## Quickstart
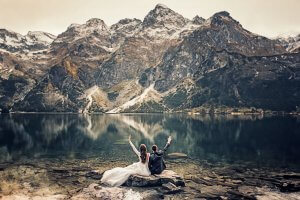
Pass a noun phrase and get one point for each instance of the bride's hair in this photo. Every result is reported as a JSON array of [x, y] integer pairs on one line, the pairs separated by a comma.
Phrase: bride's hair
[[143, 151]]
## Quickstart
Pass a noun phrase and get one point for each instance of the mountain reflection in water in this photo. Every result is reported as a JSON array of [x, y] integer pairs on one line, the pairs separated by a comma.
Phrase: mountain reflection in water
[[262, 141]]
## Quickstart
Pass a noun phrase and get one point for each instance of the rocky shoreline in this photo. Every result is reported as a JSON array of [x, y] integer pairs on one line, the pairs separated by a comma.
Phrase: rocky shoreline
[[210, 109], [230, 112], [74, 179]]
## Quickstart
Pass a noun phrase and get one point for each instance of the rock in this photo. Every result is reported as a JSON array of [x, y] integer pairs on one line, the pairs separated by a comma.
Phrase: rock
[[94, 175], [167, 176], [249, 190], [170, 188], [151, 194], [95, 191], [290, 187], [266, 193], [213, 191], [176, 155], [292, 176], [26, 197], [60, 170]]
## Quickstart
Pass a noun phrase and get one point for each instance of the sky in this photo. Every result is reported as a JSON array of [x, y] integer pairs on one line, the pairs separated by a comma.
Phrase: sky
[[265, 17]]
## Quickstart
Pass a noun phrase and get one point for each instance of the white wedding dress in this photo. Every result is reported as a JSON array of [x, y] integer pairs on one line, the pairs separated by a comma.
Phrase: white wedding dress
[[117, 176]]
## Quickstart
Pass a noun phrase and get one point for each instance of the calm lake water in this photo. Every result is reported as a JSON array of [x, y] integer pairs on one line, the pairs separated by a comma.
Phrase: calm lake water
[[269, 141]]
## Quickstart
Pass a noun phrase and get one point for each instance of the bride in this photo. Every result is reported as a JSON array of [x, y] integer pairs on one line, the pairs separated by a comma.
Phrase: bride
[[119, 175]]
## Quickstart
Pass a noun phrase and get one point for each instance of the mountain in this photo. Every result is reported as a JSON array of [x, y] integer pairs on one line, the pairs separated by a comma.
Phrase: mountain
[[33, 41], [160, 29], [291, 43], [195, 54], [211, 67], [164, 62], [23, 62]]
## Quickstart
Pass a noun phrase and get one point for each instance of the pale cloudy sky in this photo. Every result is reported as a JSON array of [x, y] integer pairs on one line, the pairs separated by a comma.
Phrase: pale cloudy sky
[[266, 17]]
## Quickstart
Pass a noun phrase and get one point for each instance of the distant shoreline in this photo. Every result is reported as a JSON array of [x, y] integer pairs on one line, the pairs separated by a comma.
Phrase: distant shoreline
[[272, 113]]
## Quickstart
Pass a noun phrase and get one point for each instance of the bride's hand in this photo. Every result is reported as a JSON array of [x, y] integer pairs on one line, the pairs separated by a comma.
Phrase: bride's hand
[[169, 139], [129, 138]]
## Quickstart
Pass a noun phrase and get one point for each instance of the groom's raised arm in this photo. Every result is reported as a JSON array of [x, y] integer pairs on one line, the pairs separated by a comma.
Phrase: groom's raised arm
[[168, 143]]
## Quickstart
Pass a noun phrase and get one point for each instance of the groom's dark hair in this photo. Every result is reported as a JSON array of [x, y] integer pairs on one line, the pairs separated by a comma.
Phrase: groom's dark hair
[[154, 148]]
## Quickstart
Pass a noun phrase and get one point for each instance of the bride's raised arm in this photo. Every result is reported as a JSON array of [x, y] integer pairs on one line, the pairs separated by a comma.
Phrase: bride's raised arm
[[133, 147]]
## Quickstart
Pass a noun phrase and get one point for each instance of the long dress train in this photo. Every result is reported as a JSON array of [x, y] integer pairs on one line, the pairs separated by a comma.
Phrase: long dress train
[[117, 176]]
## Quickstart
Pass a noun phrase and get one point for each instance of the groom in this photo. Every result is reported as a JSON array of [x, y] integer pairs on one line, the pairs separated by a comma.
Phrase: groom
[[156, 161]]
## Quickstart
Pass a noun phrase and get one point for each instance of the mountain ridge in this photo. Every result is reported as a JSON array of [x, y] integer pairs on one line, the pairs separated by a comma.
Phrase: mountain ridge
[[163, 63]]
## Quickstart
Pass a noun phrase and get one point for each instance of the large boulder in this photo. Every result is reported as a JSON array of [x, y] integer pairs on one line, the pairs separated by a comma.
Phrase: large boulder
[[95, 191], [170, 188], [167, 176], [177, 156]]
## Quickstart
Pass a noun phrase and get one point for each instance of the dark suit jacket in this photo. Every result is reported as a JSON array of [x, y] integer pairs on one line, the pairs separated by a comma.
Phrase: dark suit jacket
[[156, 161]]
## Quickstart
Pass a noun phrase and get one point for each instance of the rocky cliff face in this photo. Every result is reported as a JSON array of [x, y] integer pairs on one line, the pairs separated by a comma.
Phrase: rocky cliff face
[[23, 61], [291, 43], [144, 48], [163, 63]]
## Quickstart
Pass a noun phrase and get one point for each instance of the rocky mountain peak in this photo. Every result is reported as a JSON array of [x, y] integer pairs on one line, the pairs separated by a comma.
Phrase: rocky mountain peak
[[7, 36], [93, 27], [40, 37], [73, 26], [198, 20], [161, 15], [222, 13], [39, 33], [291, 43], [123, 29], [221, 18], [10, 41], [14, 42], [95, 22], [161, 6], [92, 24], [122, 24], [6, 33]]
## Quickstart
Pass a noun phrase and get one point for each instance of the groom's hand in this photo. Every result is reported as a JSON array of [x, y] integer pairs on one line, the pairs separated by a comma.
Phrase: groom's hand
[[169, 139]]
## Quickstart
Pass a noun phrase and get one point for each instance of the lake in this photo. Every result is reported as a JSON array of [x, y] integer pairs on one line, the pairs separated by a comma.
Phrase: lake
[[260, 141], [100, 140]]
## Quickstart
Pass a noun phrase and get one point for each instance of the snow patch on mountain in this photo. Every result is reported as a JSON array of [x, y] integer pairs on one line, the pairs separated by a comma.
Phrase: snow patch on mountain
[[290, 42], [162, 22], [14, 42], [74, 32], [94, 95], [126, 27], [148, 94], [89, 93], [33, 37]]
